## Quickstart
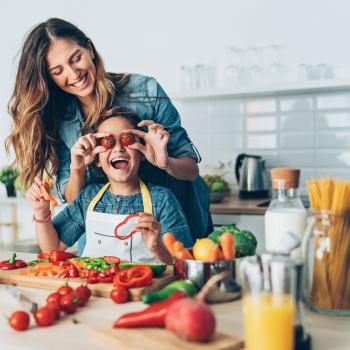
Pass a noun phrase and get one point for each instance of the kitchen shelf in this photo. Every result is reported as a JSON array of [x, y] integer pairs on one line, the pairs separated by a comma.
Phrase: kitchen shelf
[[287, 88]]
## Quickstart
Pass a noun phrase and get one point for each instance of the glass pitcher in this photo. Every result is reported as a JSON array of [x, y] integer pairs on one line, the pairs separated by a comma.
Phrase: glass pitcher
[[326, 250]]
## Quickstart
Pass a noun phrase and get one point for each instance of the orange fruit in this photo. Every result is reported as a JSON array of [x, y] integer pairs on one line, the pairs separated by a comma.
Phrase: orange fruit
[[202, 248]]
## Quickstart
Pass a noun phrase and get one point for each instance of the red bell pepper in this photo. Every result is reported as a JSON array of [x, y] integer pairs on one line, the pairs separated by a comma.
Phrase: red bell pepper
[[112, 259], [57, 255], [134, 277], [152, 316], [43, 256], [12, 263]]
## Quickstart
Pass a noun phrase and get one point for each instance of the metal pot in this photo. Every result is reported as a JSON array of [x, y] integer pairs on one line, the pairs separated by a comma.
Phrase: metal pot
[[199, 272]]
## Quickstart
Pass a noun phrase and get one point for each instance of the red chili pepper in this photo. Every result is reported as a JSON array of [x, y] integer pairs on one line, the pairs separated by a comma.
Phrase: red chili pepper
[[106, 279], [57, 255], [112, 259], [134, 277], [122, 223], [152, 316]]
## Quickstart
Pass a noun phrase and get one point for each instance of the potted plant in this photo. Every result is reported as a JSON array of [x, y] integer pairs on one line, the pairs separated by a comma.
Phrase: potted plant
[[8, 176]]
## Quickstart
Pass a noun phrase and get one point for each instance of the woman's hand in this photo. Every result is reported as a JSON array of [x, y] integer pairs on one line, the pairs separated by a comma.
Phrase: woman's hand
[[41, 207], [156, 140], [150, 229], [84, 152]]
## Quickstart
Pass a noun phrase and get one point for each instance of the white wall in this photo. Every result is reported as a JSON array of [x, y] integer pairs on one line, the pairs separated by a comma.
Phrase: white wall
[[155, 37]]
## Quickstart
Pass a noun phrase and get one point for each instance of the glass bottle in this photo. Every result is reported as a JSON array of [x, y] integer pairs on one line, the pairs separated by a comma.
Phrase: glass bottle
[[286, 213]]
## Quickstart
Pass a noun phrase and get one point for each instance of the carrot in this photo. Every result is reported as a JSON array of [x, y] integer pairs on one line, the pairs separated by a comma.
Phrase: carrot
[[214, 254], [178, 246], [228, 246], [169, 240], [47, 196]]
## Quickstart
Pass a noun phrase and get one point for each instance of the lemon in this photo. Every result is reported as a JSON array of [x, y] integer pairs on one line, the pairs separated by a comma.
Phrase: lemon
[[202, 248]]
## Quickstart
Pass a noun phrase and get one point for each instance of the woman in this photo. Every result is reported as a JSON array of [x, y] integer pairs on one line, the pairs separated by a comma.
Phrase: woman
[[62, 88]]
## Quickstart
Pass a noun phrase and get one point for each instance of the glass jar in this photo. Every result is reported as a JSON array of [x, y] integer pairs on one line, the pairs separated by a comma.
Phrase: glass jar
[[286, 215], [327, 260]]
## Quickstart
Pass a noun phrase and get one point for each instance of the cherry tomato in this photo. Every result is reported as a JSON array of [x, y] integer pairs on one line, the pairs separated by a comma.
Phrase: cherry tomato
[[54, 306], [19, 320], [92, 280], [126, 139], [44, 317], [108, 142], [119, 294], [69, 303], [82, 297], [53, 297], [86, 290], [65, 290]]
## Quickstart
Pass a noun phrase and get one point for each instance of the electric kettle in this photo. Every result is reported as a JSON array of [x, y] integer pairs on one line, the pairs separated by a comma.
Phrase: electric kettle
[[251, 176]]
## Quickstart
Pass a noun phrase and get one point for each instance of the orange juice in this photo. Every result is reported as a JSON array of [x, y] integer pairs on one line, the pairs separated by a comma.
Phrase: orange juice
[[268, 321]]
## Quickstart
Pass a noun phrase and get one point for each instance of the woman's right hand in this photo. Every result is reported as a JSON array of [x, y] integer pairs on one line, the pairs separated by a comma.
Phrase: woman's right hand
[[41, 207], [84, 152]]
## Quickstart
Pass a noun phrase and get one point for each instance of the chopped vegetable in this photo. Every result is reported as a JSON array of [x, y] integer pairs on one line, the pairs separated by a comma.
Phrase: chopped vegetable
[[134, 277], [47, 196]]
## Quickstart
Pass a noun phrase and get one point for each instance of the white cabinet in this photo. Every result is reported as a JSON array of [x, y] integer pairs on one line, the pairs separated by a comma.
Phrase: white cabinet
[[253, 223]]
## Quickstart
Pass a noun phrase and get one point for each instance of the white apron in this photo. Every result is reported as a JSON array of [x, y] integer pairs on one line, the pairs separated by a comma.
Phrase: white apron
[[100, 238]]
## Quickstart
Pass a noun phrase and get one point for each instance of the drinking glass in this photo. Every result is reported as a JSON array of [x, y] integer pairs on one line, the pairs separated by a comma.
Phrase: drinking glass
[[268, 306]]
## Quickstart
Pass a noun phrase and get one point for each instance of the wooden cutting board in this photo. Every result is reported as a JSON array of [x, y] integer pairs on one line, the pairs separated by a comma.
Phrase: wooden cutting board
[[98, 289], [158, 338]]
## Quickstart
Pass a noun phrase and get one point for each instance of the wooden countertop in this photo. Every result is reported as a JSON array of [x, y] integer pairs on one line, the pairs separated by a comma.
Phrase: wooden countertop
[[232, 204], [328, 332]]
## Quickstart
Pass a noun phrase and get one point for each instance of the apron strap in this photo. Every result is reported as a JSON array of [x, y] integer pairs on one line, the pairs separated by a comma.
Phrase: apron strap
[[145, 194]]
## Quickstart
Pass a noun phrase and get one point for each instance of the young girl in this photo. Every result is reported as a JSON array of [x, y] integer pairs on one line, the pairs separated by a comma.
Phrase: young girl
[[99, 208]]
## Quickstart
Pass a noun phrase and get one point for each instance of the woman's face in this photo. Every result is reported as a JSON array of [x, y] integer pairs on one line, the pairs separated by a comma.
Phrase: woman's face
[[71, 67]]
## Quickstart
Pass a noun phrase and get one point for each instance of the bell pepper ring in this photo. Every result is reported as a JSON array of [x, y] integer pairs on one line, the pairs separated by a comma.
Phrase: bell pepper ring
[[134, 277], [122, 223]]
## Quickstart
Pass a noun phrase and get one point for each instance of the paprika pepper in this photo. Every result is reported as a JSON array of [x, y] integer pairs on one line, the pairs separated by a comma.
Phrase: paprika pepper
[[57, 255], [112, 259], [134, 277], [152, 316]]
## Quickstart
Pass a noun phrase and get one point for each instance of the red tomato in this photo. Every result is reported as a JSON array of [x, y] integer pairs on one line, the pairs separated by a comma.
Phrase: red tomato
[[119, 295], [65, 290], [82, 297], [84, 289], [54, 306], [44, 317], [19, 320], [108, 142], [126, 139], [69, 303], [53, 297]]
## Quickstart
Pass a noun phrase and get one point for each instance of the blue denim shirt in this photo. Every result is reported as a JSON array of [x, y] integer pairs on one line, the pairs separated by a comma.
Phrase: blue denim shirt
[[147, 98], [70, 222]]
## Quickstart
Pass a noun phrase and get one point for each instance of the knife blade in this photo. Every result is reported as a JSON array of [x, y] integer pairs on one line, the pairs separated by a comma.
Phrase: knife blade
[[26, 303]]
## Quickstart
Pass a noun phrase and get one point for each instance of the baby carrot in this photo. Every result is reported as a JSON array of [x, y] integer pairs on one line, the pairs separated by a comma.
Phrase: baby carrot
[[228, 245], [169, 240], [47, 196]]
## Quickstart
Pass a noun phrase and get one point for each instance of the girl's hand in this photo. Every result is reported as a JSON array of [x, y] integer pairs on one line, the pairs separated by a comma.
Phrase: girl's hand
[[84, 152], [150, 230], [156, 140], [40, 206]]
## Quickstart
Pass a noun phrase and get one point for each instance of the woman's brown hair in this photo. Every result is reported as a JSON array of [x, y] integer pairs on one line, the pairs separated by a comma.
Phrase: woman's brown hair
[[37, 105]]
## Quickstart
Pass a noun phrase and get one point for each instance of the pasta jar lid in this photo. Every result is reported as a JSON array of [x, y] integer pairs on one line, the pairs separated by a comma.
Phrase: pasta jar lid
[[286, 177]]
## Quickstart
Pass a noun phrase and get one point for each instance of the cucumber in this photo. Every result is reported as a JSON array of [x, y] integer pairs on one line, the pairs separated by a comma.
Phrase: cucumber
[[158, 269]]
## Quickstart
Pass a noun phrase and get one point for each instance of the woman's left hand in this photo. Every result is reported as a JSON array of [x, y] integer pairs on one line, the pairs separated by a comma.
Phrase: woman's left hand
[[150, 229], [156, 140]]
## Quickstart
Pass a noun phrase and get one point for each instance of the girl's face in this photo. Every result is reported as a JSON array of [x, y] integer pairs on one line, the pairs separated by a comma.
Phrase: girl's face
[[120, 163], [71, 67]]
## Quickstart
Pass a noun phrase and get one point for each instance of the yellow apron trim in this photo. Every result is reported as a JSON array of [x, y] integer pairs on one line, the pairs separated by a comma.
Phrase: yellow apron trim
[[145, 194]]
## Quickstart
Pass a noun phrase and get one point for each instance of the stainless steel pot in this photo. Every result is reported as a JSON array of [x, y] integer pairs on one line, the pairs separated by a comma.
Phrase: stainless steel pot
[[199, 272]]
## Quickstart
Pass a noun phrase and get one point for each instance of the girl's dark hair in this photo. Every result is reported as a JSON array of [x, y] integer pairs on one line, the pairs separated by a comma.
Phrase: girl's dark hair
[[119, 112]]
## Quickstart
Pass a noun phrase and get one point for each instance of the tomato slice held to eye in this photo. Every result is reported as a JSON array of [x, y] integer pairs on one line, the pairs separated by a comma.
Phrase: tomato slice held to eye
[[126, 139], [108, 142]]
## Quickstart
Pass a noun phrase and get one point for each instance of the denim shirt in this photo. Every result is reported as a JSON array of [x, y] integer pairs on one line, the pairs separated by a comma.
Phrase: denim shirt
[[147, 98], [70, 222]]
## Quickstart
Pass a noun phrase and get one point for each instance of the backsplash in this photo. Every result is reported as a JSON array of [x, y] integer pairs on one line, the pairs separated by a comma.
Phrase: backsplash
[[308, 131]]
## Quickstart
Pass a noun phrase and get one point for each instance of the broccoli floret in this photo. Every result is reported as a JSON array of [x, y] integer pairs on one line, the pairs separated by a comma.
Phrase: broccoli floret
[[245, 241]]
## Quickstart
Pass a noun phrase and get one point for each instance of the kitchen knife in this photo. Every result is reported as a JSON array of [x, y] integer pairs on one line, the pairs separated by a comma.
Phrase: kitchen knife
[[27, 304]]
